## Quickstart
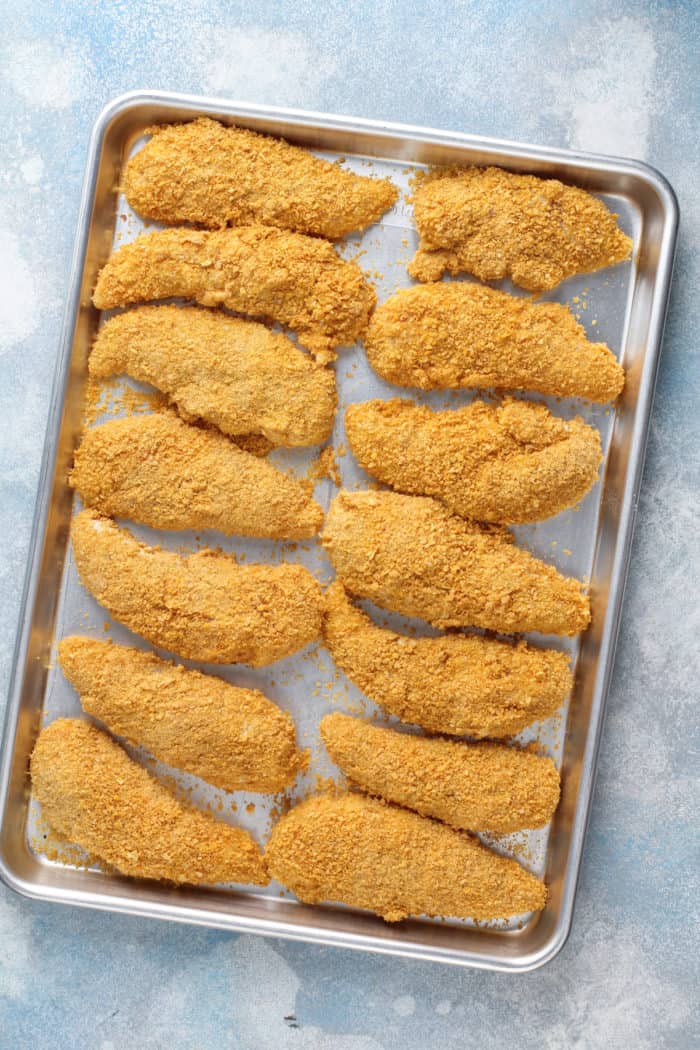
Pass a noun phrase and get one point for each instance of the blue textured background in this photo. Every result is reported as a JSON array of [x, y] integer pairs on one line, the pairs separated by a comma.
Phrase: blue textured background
[[614, 77]]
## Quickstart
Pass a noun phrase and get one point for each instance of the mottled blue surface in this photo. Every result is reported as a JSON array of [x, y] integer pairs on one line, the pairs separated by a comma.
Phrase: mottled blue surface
[[618, 78]]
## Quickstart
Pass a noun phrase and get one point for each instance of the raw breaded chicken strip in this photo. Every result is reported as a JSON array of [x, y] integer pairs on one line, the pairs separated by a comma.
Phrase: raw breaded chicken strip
[[509, 463], [364, 853], [92, 794], [216, 176], [202, 606], [162, 472], [464, 685], [474, 787], [410, 555], [459, 334], [232, 737], [235, 374], [495, 224], [299, 281]]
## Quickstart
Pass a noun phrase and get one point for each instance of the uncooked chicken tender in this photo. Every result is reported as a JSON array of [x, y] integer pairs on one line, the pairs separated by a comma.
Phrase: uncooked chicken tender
[[408, 554], [473, 787], [206, 173], [511, 463], [95, 796], [266, 273], [235, 374], [364, 853], [159, 471], [202, 606], [461, 684], [495, 224], [234, 738], [457, 334]]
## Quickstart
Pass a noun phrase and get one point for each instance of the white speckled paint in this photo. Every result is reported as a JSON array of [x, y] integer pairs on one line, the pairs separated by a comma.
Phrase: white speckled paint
[[49, 73], [404, 1006], [616, 77], [261, 64], [258, 972], [605, 89], [15, 933], [18, 318]]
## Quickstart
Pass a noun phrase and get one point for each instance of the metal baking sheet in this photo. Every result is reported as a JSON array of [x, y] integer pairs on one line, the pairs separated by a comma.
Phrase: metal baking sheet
[[624, 307]]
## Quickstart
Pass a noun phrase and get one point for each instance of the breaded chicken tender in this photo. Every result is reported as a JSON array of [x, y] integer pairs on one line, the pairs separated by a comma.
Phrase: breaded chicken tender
[[235, 374], [509, 463], [201, 606], [408, 554], [495, 224], [463, 685], [93, 795], [232, 737], [364, 853], [162, 472], [271, 274], [473, 787], [458, 334], [206, 173]]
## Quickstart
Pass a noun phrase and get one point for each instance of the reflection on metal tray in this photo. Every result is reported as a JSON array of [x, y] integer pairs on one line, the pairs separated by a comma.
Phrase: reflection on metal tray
[[627, 303]]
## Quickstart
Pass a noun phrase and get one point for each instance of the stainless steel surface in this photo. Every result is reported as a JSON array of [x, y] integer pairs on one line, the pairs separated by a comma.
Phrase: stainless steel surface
[[629, 304]]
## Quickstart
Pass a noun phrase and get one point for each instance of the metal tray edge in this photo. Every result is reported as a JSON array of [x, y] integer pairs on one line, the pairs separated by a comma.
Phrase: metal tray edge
[[46, 469], [139, 97]]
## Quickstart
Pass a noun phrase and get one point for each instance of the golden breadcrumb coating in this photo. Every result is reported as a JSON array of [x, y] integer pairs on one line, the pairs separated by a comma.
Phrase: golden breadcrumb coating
[[202, 606], [495, 224], [364, 853], [474, 787], [256, 444], [464, 685], [509, 463], [299, 281], [162, 472], [458, 334], [232, 737], [95, 796], [235, 374], [410, 555], [216, 176]]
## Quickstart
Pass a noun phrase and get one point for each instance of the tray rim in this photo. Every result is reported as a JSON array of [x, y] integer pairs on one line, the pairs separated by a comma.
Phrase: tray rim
[[204, 916]]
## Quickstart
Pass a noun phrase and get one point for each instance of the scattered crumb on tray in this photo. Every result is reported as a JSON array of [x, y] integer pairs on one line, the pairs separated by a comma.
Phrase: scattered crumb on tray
[[326, 466]]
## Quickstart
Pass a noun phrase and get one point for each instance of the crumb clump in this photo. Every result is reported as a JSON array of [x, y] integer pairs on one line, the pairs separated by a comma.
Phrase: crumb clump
[[326, 466]]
